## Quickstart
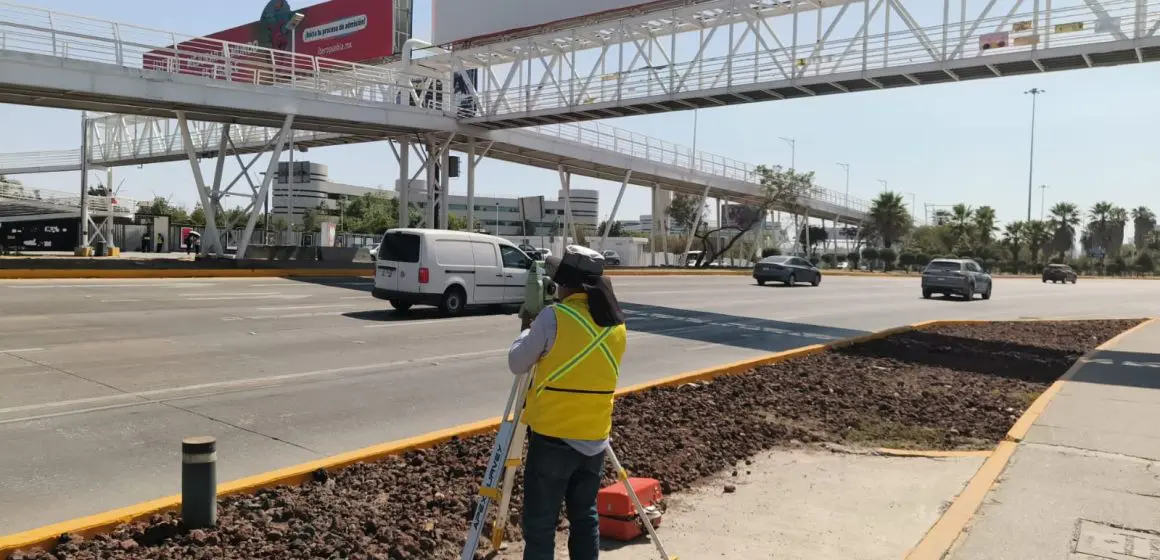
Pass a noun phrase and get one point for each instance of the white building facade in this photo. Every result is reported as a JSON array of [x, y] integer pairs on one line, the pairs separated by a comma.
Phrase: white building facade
[[313, 189]]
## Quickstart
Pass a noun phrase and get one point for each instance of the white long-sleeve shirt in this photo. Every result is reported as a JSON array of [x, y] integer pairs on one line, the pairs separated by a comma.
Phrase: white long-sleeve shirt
[[529, 348]]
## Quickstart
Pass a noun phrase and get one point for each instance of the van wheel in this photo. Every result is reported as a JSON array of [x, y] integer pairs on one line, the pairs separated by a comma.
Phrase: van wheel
[[454, 299], [401, 305]]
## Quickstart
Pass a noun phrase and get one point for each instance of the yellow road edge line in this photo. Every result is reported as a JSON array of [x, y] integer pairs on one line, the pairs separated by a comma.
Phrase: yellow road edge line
[[946, 531], [45, 537], [152, 274], [933, 454]]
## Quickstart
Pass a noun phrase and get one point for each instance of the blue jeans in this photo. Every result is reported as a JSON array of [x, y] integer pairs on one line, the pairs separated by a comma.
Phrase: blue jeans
[[555, 472]]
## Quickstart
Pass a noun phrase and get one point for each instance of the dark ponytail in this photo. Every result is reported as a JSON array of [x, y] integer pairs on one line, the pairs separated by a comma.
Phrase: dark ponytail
[[602, 303]]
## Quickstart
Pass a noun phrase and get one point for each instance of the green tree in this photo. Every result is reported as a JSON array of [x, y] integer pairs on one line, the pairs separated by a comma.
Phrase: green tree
[[922, 259], [1038, 235], [870, 254], [1144, 263], [829, 259], [962, 224], [456, 223], [780, 188], [817, 235], [1064, 222], [889, 219], [853, 258], [684, 211], [985, 225], [889, 257], [617, 229], [1143, 222], [907, 259], [1014, 238]]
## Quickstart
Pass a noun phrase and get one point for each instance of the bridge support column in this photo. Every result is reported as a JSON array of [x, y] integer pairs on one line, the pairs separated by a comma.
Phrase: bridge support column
[[432, 157], [473, 161], [403, 155], [615, 208], [569, 222], [83, 231], [261, 193], [444, 187], [684, 260]]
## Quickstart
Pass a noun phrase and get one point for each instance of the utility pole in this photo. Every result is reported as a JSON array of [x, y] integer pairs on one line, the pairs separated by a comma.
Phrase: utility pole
[[1042, 201], [846, 166], [1034, 93], [885, 185]]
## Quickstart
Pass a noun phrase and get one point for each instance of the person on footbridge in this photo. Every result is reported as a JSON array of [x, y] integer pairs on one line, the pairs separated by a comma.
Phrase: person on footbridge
[[574, 348]]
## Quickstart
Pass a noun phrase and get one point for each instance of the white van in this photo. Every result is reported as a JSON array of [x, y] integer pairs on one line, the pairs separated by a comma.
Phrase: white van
[[450, 270]]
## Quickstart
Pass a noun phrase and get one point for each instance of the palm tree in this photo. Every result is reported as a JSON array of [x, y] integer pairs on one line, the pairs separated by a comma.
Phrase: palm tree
[[984, 225], [961, 221], [1065, 221], [1118, 220], [1038, 234], [889, 218], [1098, 217], [1144, 222], [1014, 236], [1154, 240]]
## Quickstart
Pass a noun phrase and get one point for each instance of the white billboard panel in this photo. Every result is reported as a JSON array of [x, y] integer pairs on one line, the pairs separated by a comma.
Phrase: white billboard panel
[[456, 20]]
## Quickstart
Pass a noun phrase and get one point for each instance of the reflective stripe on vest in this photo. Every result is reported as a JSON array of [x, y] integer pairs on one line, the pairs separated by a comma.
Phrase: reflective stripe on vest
[[597, 343]]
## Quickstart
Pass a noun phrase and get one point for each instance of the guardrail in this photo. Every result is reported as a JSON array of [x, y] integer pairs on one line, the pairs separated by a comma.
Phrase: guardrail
[[1093, 23], [34, 30], [627, 142], [46, 197]]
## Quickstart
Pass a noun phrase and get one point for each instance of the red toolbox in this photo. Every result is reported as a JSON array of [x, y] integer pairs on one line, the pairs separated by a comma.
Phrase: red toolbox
[[618, 519]]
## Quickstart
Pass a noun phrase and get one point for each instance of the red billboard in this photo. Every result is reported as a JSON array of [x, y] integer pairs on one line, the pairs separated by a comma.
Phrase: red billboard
[[346, 30]]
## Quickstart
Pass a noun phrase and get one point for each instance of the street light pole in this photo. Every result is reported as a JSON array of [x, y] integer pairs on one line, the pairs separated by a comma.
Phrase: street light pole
[[497, 219], [885, 185], [1034, 92], [1042, 201], [792, 152], [846, 166]]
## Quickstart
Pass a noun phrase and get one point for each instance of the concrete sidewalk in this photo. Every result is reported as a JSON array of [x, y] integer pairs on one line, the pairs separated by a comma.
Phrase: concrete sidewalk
[[1085, 481]]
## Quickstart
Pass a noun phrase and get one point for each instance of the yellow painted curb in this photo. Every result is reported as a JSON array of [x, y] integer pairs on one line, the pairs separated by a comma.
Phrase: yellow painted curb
[[946, 531], [45, 537], [132, 273]]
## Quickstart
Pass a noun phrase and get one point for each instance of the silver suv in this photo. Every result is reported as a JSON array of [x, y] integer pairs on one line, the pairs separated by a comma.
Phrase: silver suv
[[955, 276]]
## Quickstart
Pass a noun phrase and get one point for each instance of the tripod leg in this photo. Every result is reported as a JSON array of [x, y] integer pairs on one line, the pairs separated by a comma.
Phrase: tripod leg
[[514, 461], [488, 490], [622, 475]]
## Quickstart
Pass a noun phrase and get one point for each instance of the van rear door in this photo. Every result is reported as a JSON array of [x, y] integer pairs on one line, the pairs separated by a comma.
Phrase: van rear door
[[399, 261]]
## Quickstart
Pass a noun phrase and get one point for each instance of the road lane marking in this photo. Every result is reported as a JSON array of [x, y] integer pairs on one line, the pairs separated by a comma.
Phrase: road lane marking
[[78, 286], [20, 350], [426, 322], [119, 300], [293, 307], [239, 298]]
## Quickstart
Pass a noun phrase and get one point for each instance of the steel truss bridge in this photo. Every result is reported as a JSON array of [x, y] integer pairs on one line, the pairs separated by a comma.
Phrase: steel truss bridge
[[175, 97]]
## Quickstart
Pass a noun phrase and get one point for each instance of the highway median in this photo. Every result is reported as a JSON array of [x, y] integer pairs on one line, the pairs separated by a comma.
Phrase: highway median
[[939, 386]]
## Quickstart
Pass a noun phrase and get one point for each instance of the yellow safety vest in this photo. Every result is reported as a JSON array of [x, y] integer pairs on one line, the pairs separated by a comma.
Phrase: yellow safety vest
[[573, 385]]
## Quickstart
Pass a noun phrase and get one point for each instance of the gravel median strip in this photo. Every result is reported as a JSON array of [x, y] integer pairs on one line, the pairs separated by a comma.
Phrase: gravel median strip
[[945, 388]]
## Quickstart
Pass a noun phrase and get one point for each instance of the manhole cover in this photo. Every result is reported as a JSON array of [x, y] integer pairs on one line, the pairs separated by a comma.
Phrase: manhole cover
[[1105, 541]]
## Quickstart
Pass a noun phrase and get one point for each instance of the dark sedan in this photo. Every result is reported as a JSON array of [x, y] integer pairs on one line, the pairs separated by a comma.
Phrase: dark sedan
[[1059, 273], [787, 270]]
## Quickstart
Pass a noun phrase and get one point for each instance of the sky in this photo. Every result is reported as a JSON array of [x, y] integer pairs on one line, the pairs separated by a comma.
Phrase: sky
[[939, 144]]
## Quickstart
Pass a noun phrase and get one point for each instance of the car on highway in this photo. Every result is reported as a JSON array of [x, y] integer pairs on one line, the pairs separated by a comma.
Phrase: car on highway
[[955, 276], [451, 270], [611, 258], [1059, 273], [787, 270]]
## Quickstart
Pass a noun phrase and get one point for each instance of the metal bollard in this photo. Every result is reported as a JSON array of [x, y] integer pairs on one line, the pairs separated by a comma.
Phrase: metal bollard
[[199, 482]]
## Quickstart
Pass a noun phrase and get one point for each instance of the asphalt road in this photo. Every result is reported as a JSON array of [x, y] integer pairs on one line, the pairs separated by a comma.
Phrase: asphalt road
[[102, 379]]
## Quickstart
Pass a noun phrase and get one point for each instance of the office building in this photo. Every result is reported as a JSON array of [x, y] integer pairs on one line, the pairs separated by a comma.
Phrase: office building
[[313, 189]]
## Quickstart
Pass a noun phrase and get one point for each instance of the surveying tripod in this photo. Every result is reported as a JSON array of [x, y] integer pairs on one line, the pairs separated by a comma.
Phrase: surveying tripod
[[506, 457]]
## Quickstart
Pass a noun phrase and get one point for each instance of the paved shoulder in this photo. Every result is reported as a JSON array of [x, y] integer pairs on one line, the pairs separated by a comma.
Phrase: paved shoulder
[[1084, 483]]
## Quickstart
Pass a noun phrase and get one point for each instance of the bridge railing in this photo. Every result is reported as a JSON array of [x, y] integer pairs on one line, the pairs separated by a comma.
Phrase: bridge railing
[[635, 144], [1026, 31], [34, 30], [46, 197]]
